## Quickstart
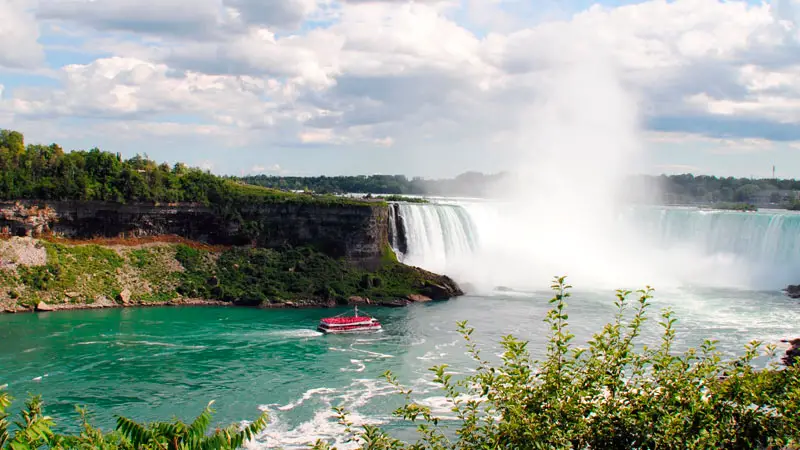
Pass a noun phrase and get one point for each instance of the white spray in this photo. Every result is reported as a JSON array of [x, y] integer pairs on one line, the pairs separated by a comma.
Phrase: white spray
[[562, 213]]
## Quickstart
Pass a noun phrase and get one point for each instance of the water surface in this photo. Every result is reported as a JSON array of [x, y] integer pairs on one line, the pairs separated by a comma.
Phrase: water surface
[[153, 363]]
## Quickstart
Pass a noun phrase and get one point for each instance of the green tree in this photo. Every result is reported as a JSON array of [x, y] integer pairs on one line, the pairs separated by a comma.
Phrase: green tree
[[746, 193]]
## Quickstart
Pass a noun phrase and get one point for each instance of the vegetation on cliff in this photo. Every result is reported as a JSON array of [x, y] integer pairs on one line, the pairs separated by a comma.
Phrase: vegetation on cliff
[[47, 172], [612, 393], [66, 275], [401, 198], [735, 206]]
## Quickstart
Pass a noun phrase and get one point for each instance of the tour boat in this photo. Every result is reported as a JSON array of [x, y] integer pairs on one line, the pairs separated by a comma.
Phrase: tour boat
[[349, 324]]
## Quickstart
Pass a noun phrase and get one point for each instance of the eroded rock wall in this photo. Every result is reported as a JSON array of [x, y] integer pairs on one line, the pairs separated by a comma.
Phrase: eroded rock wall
[[359, 233]]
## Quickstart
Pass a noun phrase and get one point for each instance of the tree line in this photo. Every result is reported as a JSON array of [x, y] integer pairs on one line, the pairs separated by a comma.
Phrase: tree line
[[47, 172], [668, 189], [688, 188], [473, 184]]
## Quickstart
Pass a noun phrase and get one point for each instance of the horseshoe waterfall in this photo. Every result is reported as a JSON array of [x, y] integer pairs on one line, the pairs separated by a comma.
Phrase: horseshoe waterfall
[[677, 246]]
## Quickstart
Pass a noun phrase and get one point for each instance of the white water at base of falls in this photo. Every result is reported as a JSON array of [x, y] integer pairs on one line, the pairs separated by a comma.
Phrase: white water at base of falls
[[665, 247]]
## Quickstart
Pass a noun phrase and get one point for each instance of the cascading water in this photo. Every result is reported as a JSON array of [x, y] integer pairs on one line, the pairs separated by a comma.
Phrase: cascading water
[[434, 236], [752, 250], [766, 237], [678, 246], [393, 230]]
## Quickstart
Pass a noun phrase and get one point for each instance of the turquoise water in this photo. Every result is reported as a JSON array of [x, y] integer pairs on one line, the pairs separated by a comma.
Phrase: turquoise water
[[153, 363]]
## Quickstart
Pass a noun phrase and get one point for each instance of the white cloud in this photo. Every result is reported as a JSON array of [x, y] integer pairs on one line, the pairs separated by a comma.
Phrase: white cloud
[[280, 13], [275, 168], [716, 145], [178, 18], [402, 74], [129, 87], [19, 33]]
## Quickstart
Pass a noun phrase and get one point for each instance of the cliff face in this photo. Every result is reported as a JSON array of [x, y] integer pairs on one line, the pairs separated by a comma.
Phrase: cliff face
[[359, 233]]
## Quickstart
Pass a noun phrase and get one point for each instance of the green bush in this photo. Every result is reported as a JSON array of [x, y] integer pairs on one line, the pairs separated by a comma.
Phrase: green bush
[[252, 276], [735, 206], [34, 430], [402, 198], [190, 258], [613, 393], [39, 278]]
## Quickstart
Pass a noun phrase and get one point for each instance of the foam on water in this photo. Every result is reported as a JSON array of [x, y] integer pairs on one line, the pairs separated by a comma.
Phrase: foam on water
[[298, 333], [324, 423], [360, 366]]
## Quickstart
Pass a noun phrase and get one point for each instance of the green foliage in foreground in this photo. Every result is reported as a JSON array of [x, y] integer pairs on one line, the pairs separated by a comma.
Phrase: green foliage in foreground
[[34, 430], [612, 393]]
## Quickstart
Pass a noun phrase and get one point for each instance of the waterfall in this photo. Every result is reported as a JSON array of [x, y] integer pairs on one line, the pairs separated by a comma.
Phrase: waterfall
[[764, 237], [655, 245], [432, 236], [393, 238]]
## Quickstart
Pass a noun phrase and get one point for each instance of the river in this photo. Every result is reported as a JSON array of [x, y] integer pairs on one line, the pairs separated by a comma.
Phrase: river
[[153, 363]]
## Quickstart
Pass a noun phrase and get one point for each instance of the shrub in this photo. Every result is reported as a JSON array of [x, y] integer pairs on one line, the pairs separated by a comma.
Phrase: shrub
[[34, 431], [612, 393], [190, 258], [736, 206], [39, 278], [402, 198]]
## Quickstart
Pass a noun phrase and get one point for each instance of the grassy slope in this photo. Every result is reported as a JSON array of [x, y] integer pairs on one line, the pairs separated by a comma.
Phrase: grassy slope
[[83, 274]]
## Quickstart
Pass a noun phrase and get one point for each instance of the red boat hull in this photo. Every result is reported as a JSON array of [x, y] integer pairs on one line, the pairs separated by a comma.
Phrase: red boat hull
[[349, 324], [350, 329]]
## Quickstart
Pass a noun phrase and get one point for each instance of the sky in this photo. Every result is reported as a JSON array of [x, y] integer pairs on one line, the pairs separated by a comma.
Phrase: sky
[[427, 88]]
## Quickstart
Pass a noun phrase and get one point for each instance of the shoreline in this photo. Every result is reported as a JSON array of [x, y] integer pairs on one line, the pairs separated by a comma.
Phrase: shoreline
[[85, 306], [198, 302]]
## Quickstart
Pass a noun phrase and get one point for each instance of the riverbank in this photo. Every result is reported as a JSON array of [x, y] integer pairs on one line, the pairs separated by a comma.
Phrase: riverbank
[[53, 275], [200, 302], [43, 307]]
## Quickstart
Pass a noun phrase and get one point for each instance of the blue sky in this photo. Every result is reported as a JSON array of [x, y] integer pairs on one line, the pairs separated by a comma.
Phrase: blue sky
[[431, 88]]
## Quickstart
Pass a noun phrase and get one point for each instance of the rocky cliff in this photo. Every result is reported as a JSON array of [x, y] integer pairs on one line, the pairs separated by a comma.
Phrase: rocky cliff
[[357, 232]]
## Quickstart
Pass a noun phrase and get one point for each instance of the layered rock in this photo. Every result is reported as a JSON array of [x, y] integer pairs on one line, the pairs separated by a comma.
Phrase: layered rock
[[357, 232]]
